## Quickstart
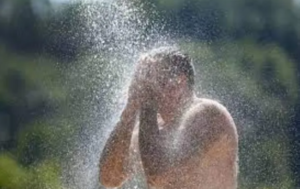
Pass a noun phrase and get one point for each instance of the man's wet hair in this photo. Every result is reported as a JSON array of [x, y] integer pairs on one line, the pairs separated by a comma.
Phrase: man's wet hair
[[174, 62]]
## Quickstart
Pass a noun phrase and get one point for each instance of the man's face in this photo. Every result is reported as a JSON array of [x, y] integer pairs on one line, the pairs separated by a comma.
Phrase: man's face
[[168, 86]]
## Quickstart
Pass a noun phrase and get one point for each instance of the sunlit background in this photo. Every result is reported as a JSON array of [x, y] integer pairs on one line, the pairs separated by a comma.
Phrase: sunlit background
[[65, 66]]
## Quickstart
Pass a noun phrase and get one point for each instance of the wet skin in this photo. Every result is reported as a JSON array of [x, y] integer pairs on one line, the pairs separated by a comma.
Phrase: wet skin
[[199, 151], [181, 141]]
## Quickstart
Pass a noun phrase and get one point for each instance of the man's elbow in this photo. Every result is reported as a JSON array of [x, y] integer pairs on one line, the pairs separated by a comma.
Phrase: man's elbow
[[111, 180]]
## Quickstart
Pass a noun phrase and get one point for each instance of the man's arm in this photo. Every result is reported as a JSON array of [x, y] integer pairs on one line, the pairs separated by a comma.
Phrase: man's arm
[[151, 145], [115, 165], [214, 139], [114, 161], [210, 122]]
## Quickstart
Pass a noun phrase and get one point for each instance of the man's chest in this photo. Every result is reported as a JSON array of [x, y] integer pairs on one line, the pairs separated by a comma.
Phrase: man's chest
[[176, 145], [187, 170]]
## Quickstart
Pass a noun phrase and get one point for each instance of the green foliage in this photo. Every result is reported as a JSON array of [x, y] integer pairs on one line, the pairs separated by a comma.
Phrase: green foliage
[[250, 70], [43, 140], [28, 83], [11, 176], [31, 87], [266, 165], [44, 175], [35, 72], [273, 68]]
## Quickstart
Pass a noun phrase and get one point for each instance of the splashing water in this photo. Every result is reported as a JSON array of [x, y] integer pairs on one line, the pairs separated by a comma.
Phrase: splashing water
[[119, 32]]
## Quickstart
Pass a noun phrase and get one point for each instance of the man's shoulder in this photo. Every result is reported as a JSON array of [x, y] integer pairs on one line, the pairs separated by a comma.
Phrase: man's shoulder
[[204, 111], [208, 107]]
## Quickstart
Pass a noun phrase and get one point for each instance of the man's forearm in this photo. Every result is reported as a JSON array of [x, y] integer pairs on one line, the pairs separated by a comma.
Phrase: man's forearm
[[115, 155], [150, 144]]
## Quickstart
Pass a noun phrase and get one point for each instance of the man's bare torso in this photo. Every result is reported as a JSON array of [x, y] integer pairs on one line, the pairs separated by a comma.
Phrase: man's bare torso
[[210, 163]]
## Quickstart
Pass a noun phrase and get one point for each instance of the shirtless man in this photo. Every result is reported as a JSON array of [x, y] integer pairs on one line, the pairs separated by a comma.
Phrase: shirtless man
[[184, 142]]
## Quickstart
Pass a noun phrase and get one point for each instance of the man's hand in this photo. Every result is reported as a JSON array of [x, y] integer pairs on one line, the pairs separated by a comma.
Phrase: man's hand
[[142, 85]]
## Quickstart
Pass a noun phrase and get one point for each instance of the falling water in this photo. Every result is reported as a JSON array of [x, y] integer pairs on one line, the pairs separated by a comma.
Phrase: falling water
[[116, 33], [119, 32]]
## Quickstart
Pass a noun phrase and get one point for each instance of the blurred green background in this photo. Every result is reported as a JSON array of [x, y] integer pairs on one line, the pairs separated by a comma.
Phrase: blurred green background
[[249, 49]]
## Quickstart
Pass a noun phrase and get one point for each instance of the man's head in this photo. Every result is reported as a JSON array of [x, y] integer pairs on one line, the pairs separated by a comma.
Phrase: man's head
[[170, 71], [172, 63]]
